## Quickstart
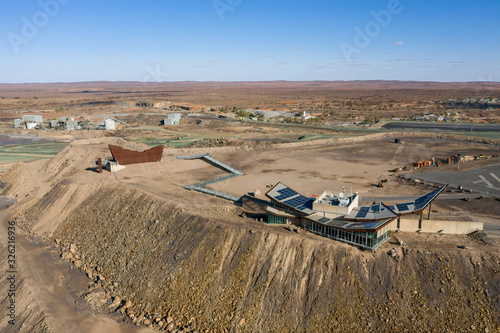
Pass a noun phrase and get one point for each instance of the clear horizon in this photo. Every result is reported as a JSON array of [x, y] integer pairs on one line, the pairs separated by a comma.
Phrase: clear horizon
[[57, 41], [245, 81]]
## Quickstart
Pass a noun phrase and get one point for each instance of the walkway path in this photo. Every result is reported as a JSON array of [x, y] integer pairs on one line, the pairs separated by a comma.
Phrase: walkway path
[[201, 187]]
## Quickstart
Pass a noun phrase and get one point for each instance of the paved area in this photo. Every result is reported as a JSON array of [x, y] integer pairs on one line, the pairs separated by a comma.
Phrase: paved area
[[483, 180], [407, 198], [492, 228], [443, 126]]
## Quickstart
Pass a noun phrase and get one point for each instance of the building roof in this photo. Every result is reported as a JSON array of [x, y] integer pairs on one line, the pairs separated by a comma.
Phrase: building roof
[[371, 213], [361, 219], [279, 212], [340, 223], [381, 211], [289, 198]]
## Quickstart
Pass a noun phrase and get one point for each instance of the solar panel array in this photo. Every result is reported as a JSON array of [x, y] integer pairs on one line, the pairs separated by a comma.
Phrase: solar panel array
[[291, 198], [423, 201], [285, 193], [370, 225], [402, 207], [378, 211], [362, 212], [299, 202]]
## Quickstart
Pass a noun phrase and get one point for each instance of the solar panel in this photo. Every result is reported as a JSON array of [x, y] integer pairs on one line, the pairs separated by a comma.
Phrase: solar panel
[[323, 220], [371, 224], [375, 208], [285, 193], [298, 201], [391, 207], [420, 206], [306, 205], [402, 207], [363, 211], [423, 201]]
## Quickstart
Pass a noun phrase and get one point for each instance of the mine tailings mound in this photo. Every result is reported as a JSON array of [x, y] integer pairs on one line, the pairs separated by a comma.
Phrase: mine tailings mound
[[207, 270]]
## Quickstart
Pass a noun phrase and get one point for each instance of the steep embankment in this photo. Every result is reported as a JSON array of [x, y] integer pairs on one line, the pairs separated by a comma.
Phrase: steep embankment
[[242, 276]]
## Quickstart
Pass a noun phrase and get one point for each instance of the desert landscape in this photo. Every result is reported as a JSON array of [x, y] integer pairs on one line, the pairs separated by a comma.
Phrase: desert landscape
[[233, 166], [134, 250]]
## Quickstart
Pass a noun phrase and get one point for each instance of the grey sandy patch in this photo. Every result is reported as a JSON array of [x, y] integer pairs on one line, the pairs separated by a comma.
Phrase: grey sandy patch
[[16, 139], [278, 171], [6, 202]]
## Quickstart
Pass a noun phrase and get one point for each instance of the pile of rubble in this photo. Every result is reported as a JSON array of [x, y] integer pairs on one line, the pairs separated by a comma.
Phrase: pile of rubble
[[101, 295], [450, 160], [207, 143]]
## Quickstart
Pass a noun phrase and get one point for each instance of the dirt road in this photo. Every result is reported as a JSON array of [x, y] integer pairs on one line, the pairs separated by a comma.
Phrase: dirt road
[[49, 285]]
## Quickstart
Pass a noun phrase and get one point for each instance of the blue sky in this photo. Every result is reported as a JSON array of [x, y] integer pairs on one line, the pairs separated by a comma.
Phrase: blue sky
[[249, 40]]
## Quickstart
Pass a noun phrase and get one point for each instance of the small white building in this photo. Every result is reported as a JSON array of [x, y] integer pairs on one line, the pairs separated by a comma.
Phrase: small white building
[[71, 125], [110, 124], [173, 119]]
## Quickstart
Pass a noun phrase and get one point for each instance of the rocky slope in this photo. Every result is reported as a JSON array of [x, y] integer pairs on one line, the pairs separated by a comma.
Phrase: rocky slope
[[218, 274]]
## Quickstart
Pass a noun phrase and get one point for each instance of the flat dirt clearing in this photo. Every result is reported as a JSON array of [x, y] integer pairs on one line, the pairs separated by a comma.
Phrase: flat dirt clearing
[[306, 169], [359, 165], [169, 178]]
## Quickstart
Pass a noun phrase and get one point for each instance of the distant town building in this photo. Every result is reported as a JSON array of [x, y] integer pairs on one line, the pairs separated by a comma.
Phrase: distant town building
[[32, 118], [17, 123], [172, 119], [71, 125], [306, 116], [110, 124]]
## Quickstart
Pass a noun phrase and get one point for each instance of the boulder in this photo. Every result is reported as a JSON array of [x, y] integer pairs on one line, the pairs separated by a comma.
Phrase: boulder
[[72, 248]]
